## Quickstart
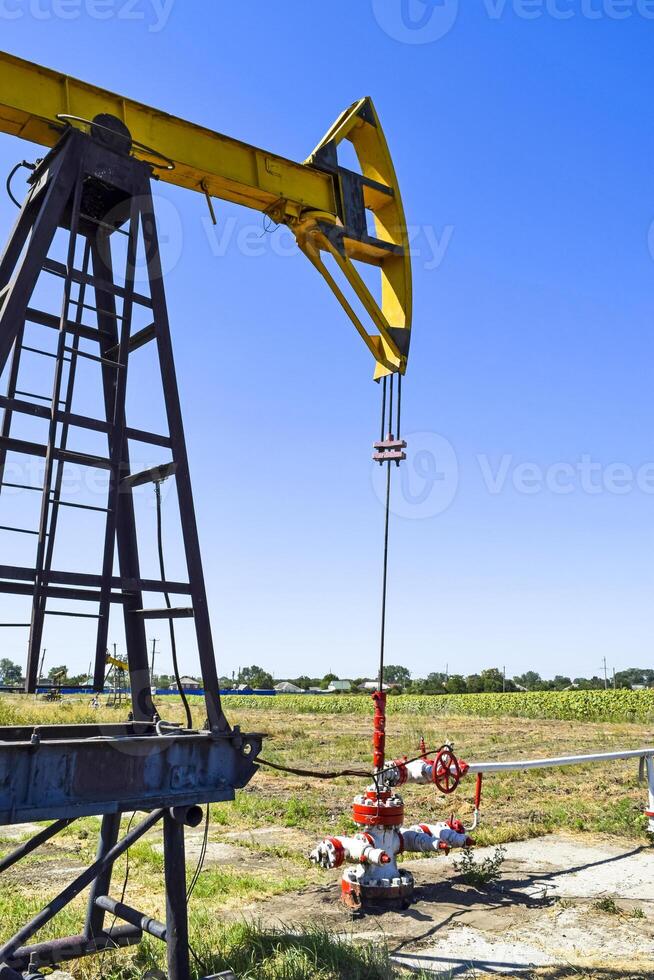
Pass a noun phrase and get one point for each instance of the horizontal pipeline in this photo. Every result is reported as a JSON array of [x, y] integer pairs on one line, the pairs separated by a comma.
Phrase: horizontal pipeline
[[564, 760]]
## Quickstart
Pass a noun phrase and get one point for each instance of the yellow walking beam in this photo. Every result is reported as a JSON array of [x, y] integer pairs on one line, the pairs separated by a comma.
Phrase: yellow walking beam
[[323, 203]]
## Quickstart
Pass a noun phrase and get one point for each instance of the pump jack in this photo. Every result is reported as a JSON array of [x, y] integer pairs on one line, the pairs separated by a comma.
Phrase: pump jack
[[93, 186]]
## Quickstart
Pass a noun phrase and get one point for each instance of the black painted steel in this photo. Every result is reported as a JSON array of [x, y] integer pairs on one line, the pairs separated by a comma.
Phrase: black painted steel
[[122, 911], [81, 180], [176, 903], [91, 192], [109, 831], [56, 951], [8, 949]]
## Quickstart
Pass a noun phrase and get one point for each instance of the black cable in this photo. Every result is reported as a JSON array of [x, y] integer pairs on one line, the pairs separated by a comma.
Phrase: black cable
[[28, 166], [399, 404], [201, 859], [173, 644], [383, 411], [312, 773], [197, 959], [360, 773]]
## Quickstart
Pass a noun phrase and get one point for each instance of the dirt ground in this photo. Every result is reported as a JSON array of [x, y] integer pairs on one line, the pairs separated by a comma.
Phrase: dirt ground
[[575, 895], [544, 912]]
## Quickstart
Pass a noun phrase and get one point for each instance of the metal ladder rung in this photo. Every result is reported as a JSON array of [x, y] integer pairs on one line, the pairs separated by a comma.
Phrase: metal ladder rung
[[45, 353], [94, 357], [75, 615], [96, 309], [179, 612], [18, 530], [154, 475], [21, 486], [69, 503], [84, 459], [15, 625], [44, 398]]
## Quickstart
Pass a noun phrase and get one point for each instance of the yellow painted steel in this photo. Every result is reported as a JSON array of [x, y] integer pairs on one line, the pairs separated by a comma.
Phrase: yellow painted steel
[[118, 664], [308, 197]]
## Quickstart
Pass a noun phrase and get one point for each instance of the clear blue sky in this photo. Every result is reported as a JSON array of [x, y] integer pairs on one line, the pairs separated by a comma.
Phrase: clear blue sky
[[523, 142]]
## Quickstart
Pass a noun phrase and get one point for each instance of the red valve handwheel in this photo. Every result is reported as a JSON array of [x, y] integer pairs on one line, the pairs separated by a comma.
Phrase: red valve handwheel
[[446, 771]]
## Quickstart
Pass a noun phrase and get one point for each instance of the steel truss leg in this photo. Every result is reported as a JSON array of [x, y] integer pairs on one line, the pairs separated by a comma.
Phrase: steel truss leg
[[108, 838], [210, 679], [176, 904]]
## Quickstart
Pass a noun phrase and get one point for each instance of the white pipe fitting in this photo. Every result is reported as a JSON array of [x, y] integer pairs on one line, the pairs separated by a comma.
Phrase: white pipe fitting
[[649, 813], [419, 771], [432, 837], [332, 852]]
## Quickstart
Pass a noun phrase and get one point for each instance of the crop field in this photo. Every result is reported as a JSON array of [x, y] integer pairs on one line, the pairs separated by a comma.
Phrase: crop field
[[255, 907]]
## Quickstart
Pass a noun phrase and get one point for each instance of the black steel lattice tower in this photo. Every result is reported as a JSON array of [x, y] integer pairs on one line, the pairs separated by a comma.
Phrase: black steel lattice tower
[[92, 188]]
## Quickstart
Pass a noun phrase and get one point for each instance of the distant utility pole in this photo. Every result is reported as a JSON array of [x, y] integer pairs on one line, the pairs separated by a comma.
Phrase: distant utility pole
[[154, 653], [614, 684], [41, 667], [503, 680], [606, 680], [447, 672]]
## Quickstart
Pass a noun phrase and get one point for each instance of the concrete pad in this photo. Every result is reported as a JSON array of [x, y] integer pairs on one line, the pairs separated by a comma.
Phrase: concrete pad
[[569, 868], [468, 949], [491, 939]]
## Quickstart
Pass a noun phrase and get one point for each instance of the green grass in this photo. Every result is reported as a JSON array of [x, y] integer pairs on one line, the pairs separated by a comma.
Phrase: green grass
[[227, 883], [257, 953], [610, 706]]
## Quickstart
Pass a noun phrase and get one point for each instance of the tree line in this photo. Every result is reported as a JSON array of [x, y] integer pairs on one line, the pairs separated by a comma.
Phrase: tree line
[[492, 680], [399, 678]]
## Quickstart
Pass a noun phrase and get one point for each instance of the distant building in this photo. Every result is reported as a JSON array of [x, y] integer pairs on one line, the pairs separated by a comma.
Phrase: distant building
[[373, 686], [285, 687], [244, 689], [188, 684], [340, 686]]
